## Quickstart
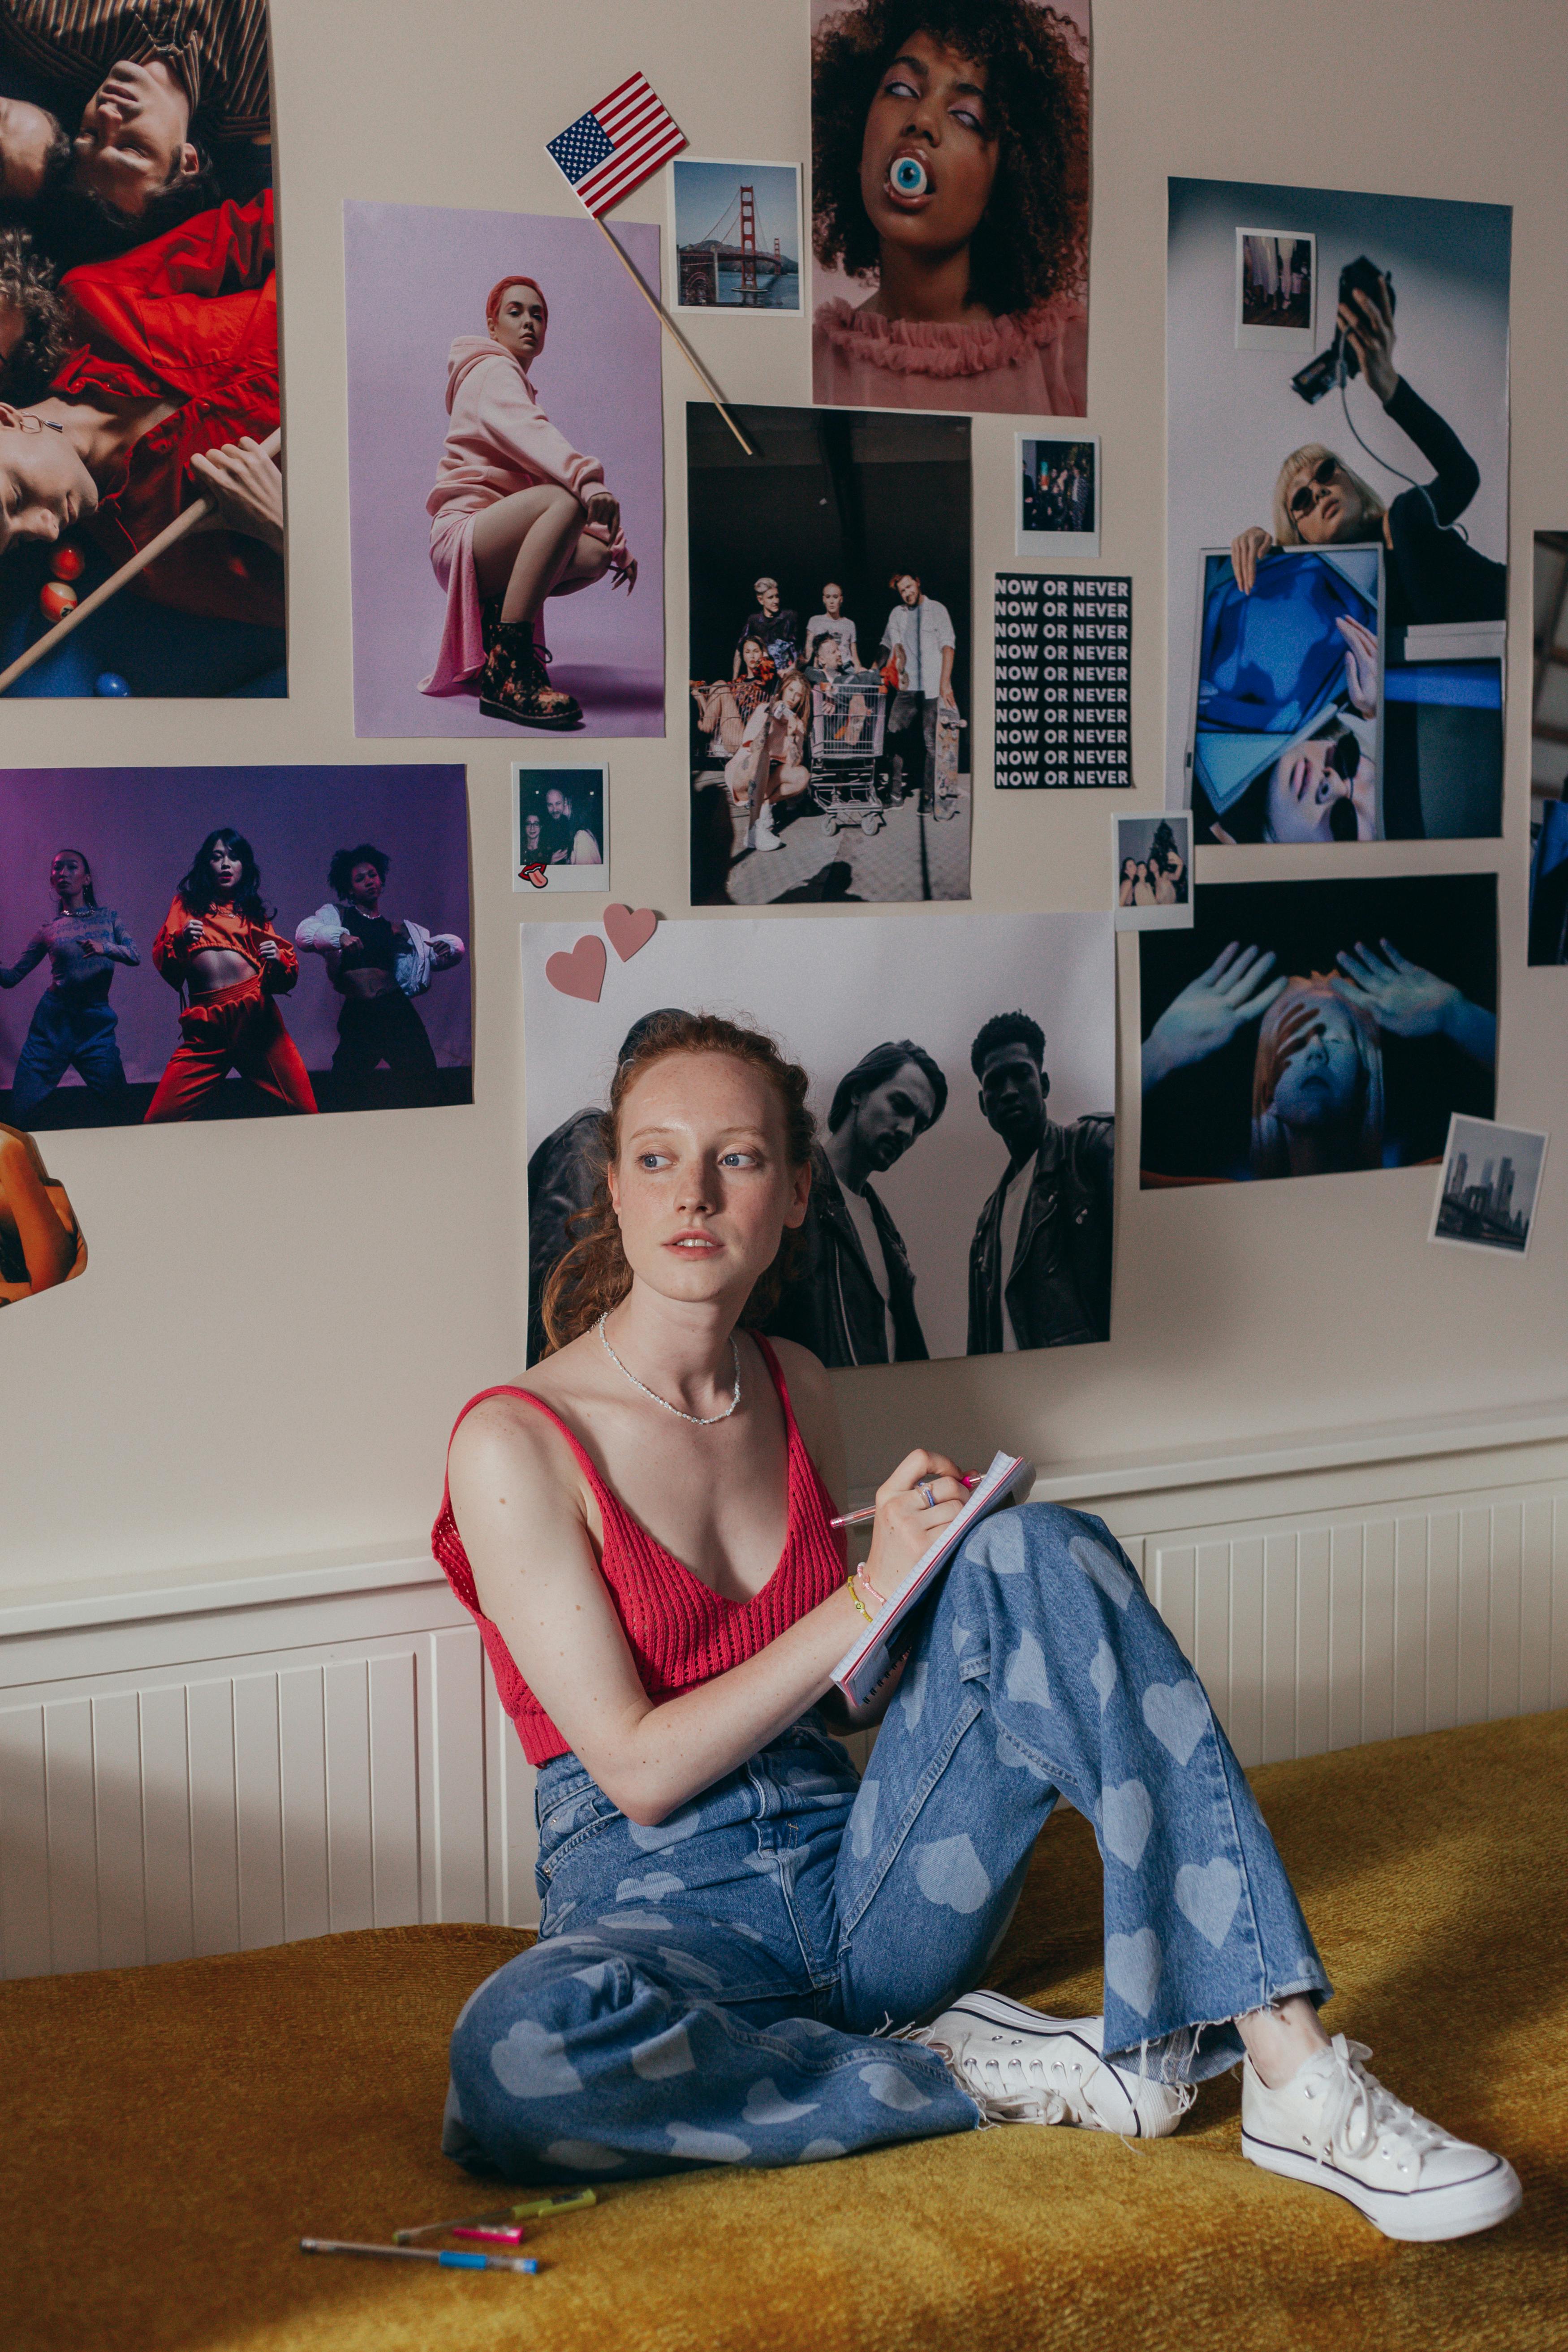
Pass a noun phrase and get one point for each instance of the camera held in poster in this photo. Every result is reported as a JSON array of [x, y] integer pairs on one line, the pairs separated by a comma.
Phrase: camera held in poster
[[1403, 465]]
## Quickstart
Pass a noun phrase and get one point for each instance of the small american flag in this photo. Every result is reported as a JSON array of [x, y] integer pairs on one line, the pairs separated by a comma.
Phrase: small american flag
[[615, 148]]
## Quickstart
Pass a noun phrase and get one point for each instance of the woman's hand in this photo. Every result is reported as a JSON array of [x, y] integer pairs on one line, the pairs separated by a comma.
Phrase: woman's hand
[[1247, 550], [1210, 1010], [1361, 667], [906, 1522], [268, 950], [1364, 799], [625, 575], [1368, 328], [602, 509], [1407, 1001], [247, 489], [193, 933]]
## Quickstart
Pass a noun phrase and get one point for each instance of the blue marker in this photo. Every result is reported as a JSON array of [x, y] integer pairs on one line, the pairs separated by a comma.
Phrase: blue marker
[[447, 2259]]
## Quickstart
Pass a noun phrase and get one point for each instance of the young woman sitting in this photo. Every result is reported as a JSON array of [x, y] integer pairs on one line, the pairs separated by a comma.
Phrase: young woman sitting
[[732, 1919]]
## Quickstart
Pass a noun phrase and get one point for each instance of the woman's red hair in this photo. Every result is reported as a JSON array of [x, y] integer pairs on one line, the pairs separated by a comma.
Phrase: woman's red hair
[[493, 298]]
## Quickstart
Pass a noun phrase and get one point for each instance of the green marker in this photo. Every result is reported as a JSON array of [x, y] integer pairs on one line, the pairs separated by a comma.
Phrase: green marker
[[531, 2211]]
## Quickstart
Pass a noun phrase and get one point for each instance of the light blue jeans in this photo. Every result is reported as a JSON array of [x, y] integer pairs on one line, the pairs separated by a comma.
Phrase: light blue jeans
[[718, 1989]]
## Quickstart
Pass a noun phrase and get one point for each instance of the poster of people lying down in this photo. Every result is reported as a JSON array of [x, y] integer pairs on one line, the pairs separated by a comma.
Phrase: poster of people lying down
[[1317, 1028], [187, 943], [139, 382], [1338, 519], [962, 1074]]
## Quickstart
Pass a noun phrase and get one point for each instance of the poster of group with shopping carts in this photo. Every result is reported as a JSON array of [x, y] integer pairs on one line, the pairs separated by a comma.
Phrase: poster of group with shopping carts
[[830, 651]]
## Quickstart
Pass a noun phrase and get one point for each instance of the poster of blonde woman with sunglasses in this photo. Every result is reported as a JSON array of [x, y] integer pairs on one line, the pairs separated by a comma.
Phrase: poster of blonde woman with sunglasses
[[1338, 519]]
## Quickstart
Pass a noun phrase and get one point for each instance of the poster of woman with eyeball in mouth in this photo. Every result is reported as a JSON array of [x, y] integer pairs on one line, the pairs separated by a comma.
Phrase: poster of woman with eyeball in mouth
[[950, 219]]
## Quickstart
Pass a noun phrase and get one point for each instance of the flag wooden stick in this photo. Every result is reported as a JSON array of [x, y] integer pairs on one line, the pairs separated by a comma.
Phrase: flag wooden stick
[[714, 394], [185, 522]]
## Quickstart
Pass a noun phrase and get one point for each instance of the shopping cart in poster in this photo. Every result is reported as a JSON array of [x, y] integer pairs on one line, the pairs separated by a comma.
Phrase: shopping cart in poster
[[848, 719]]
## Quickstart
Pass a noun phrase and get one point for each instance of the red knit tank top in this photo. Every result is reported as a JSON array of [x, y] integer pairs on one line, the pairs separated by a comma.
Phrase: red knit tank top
[[679, 1631]]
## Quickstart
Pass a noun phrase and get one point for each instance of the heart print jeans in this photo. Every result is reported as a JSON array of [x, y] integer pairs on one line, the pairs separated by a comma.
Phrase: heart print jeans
[[718, 1989]]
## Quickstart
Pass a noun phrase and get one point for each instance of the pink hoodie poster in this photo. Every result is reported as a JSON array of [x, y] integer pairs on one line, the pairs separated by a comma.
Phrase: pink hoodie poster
[[440, 422]]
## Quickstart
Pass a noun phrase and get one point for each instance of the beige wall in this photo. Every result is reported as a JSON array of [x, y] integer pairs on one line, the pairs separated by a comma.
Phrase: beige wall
[[279, 1319]]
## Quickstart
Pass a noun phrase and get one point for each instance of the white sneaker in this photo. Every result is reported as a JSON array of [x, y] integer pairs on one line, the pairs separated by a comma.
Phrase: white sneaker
[[1020, 2067], [762, 831], [1335, 2127]]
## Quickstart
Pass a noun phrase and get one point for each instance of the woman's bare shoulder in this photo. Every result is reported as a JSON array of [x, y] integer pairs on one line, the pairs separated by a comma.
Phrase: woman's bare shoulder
[[813, 1402], [506, 1429], [805, 1374]]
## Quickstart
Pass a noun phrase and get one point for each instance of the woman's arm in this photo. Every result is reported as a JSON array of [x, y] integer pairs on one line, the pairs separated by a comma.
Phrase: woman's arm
[[121, 948], [517, 1499], [498, 400], [1367, 325], [171, 949], [280, 968], [48, 1247], [1458, 477], [32, 955]]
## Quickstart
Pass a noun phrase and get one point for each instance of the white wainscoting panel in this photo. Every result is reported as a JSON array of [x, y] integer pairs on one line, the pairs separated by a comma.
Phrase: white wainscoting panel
[[315, 1749], [1314, 1637], [249, 1804]]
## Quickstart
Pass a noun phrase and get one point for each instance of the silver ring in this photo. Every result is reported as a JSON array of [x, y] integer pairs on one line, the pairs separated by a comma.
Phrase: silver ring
[[926, 1495]]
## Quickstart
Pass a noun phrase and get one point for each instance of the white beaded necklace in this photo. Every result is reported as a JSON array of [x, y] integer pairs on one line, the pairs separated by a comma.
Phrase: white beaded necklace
[[698, 1419]]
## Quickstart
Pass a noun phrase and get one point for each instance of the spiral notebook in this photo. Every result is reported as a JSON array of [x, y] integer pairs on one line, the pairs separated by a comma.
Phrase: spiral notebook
[[868, 1662]]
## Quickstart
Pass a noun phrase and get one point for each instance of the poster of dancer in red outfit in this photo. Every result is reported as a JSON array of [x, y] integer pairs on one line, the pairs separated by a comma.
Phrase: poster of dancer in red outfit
[[139, 345]]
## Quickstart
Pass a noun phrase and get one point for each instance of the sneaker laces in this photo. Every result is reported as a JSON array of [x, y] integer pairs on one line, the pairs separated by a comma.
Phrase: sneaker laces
[[1360, 2112], [1010, 2090]]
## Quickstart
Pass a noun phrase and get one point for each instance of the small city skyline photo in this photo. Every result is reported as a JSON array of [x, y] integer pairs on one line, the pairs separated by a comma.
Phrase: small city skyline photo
[[1489, 1185], [736, 235]]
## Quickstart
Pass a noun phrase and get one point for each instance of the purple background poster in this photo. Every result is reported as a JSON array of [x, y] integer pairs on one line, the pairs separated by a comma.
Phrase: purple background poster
[[139, 828], [417, 278]]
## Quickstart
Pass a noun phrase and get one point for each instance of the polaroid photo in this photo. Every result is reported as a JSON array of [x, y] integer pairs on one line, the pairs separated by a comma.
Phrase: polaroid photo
[[1152, 876], [1057, 515], [1276, 289], [560, 827], [1489, 1186], [735, 235]]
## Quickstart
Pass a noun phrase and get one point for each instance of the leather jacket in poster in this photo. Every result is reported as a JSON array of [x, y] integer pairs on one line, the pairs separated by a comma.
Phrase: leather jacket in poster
[[831, 1304], [1059, 1292]]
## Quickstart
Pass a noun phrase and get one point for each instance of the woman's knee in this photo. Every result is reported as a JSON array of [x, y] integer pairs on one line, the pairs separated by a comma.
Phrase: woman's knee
[[1047, 1559]]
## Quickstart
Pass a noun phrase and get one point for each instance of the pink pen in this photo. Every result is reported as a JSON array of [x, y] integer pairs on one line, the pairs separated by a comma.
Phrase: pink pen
[[498, 2234], [857, 1518]]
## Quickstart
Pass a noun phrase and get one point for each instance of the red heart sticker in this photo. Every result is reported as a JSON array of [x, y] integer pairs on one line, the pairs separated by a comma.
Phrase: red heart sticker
[[580, 971], [628, 929]]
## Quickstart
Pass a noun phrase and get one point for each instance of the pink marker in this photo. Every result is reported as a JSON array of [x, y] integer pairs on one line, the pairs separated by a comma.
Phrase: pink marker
[[855, 1518], [510, 2234]]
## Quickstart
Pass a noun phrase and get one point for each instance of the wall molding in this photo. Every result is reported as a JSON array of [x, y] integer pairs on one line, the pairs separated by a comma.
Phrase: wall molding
[[245, 1754]]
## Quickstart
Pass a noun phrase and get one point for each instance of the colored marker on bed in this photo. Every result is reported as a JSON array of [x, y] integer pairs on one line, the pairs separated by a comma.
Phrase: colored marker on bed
[[499, 2233], [449, 2258], [525, 2212]]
